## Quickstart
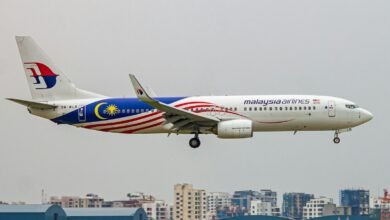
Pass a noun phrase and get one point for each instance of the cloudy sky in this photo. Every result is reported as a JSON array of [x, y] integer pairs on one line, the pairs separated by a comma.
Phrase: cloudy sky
[[200, 47]]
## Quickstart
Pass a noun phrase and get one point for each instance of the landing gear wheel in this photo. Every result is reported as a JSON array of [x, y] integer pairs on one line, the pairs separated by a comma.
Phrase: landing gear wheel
[[336, 140], [194, 142]]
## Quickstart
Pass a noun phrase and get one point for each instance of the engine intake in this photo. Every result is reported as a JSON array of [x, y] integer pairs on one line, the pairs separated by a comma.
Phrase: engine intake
[[239, 128]]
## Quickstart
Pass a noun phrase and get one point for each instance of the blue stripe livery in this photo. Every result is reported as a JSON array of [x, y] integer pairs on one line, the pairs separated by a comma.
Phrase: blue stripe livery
[[108, 109]]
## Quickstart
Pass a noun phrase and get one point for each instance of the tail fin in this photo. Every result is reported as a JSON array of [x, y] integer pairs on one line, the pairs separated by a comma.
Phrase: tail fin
[[46, 81]]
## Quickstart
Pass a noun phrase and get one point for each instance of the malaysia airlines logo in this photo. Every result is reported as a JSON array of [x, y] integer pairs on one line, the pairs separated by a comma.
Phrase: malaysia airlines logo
[[140, 92], [44, 77]]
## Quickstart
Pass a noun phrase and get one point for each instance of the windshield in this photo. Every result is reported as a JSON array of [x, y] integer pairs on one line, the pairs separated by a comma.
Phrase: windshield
[[350, 106]]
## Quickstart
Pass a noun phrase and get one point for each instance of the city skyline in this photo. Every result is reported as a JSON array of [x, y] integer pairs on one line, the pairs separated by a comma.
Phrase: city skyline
[[45, 196], [192, 203]]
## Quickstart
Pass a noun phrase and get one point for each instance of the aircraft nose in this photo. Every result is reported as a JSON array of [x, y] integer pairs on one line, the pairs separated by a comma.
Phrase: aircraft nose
[[365, 115]]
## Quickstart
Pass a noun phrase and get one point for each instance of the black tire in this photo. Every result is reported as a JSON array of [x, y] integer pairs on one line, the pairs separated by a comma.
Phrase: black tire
[[194, 142], [336, 140]]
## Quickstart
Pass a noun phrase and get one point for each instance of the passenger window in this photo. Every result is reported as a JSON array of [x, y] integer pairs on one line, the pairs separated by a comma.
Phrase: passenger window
[[286, 108], [291, 108], [265, 108], [137, 110], [281, 108], [250, 108], [244, 108], [270, 108], [309, 108], [314, 108], [300, 108], [304, 108], [255, 109], [295, 108], [260, 108], [235, 108], [132, 110]]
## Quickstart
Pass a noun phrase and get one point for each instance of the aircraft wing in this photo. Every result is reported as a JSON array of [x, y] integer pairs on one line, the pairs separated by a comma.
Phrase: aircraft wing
[[181, 118]]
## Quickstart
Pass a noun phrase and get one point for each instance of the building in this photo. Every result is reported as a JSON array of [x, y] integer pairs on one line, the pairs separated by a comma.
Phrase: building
[[32, 212], [90, 201], [170, 212], [293, 204], [242, 199], [344, 217], [157, 210], [267, 195], [315, 207], [259, 207], [375, 202], [217, 200], [256, 217], [276, 211], [229, 212], [135, 200], [357, 199], [331, 209], [189, 203], [55, 212], [105, 214]]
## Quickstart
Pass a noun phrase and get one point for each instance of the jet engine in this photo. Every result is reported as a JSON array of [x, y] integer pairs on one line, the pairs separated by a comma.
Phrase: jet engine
[[238, 128]]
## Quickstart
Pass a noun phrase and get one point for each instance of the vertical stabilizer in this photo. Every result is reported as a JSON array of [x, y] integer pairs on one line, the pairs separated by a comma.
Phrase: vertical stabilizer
[[45, 80]]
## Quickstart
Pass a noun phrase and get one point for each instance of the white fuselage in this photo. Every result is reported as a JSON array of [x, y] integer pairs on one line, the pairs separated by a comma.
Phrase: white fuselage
[[267, 113]]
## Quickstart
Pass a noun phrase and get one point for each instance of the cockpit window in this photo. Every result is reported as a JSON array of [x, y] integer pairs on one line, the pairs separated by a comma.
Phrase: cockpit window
[[351, 106]]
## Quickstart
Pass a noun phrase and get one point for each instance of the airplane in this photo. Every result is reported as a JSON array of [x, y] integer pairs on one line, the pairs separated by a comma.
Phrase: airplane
[[56, 98]]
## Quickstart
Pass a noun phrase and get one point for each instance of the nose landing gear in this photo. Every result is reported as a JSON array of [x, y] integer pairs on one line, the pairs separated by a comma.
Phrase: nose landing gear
[[195, 142], [336, 138]]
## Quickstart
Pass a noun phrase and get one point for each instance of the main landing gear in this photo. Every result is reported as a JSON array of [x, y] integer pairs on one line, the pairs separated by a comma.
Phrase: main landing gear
[[195, 142]]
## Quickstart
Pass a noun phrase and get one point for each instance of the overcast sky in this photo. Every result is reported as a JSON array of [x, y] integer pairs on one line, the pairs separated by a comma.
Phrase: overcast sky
[[200, 47]]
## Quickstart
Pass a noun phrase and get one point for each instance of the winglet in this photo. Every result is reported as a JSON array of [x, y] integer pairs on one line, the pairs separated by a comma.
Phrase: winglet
[[142, 94]]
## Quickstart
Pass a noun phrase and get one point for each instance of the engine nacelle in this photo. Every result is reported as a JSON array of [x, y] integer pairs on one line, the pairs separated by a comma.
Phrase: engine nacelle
[[239, 128]]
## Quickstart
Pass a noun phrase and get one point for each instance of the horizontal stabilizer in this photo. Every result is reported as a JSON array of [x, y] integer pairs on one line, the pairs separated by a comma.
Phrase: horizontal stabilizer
[[32, 104]]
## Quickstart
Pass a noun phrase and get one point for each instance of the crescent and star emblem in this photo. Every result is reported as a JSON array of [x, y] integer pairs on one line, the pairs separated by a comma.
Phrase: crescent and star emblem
[[97, 111]]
